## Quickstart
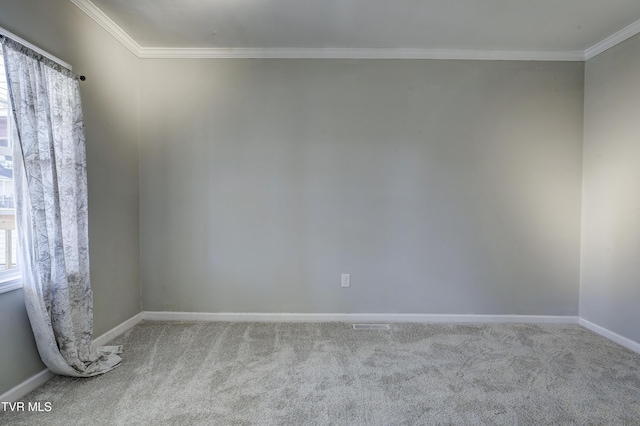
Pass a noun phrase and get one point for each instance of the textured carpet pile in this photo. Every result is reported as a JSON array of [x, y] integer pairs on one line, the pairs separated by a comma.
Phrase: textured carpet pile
[[203, 373]]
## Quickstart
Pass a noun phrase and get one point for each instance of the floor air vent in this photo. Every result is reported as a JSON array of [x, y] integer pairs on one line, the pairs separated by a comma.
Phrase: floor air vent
[[370, 326]]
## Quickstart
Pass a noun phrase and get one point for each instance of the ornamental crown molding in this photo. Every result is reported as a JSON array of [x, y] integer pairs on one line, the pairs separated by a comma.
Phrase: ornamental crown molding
[[121, 35], [95, 13], [352, 53], [617, 38]]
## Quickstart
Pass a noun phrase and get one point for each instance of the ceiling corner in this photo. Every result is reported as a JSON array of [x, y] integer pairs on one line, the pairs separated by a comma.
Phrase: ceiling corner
[[95, 13], [625, 33], [107, 23]]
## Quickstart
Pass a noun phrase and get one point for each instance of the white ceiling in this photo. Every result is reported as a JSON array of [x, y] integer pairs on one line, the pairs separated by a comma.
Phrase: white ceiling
[[469, 25]]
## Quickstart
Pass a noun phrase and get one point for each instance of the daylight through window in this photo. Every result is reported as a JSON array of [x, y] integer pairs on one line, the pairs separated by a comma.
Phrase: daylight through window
[[8, 240]]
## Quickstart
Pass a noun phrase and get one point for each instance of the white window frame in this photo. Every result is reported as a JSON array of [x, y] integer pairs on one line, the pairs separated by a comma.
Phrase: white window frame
[[10, 279]]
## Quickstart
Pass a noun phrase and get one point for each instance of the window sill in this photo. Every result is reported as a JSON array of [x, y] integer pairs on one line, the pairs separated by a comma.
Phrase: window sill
[[10, 282]]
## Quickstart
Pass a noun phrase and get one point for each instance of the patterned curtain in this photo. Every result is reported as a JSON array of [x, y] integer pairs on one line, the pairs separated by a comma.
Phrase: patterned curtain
[[51, 212]]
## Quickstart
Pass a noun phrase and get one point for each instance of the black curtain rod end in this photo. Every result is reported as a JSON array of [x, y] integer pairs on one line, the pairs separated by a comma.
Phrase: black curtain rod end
[[83, 78]]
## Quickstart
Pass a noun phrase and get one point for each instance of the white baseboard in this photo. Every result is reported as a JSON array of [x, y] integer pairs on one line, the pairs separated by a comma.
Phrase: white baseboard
[[34, 382], [41, 378], [117, 330], [615, 337], [298, 317], [14, 394]]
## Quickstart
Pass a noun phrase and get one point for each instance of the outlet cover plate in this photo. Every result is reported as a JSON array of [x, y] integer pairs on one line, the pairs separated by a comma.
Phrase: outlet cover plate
[[346, 280]]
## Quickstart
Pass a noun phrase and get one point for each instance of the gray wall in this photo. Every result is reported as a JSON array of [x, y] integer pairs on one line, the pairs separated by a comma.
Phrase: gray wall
[[441, 186], [19, 359], [609, 292], [110, 101]]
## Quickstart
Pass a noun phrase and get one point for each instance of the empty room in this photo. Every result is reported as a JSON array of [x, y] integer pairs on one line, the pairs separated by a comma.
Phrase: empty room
[[330, 212]]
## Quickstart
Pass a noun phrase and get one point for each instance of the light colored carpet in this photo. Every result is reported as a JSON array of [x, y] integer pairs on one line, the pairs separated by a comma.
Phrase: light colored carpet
[[203, 373]]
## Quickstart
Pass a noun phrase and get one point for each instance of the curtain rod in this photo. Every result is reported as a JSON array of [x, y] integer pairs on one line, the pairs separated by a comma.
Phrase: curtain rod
[[22, 41]]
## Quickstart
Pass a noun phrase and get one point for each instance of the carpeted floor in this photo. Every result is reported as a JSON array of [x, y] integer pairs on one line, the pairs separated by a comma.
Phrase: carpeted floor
[[203, 373]]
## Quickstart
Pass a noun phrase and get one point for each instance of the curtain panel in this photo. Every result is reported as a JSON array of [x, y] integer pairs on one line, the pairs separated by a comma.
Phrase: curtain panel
[[51, 211]]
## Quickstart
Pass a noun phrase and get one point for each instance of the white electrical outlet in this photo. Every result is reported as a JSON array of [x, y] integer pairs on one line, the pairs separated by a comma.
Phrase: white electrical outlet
[[346, 280]]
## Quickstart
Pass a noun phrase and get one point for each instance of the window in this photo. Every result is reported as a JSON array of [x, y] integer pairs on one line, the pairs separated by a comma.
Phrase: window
[[9, 270]]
